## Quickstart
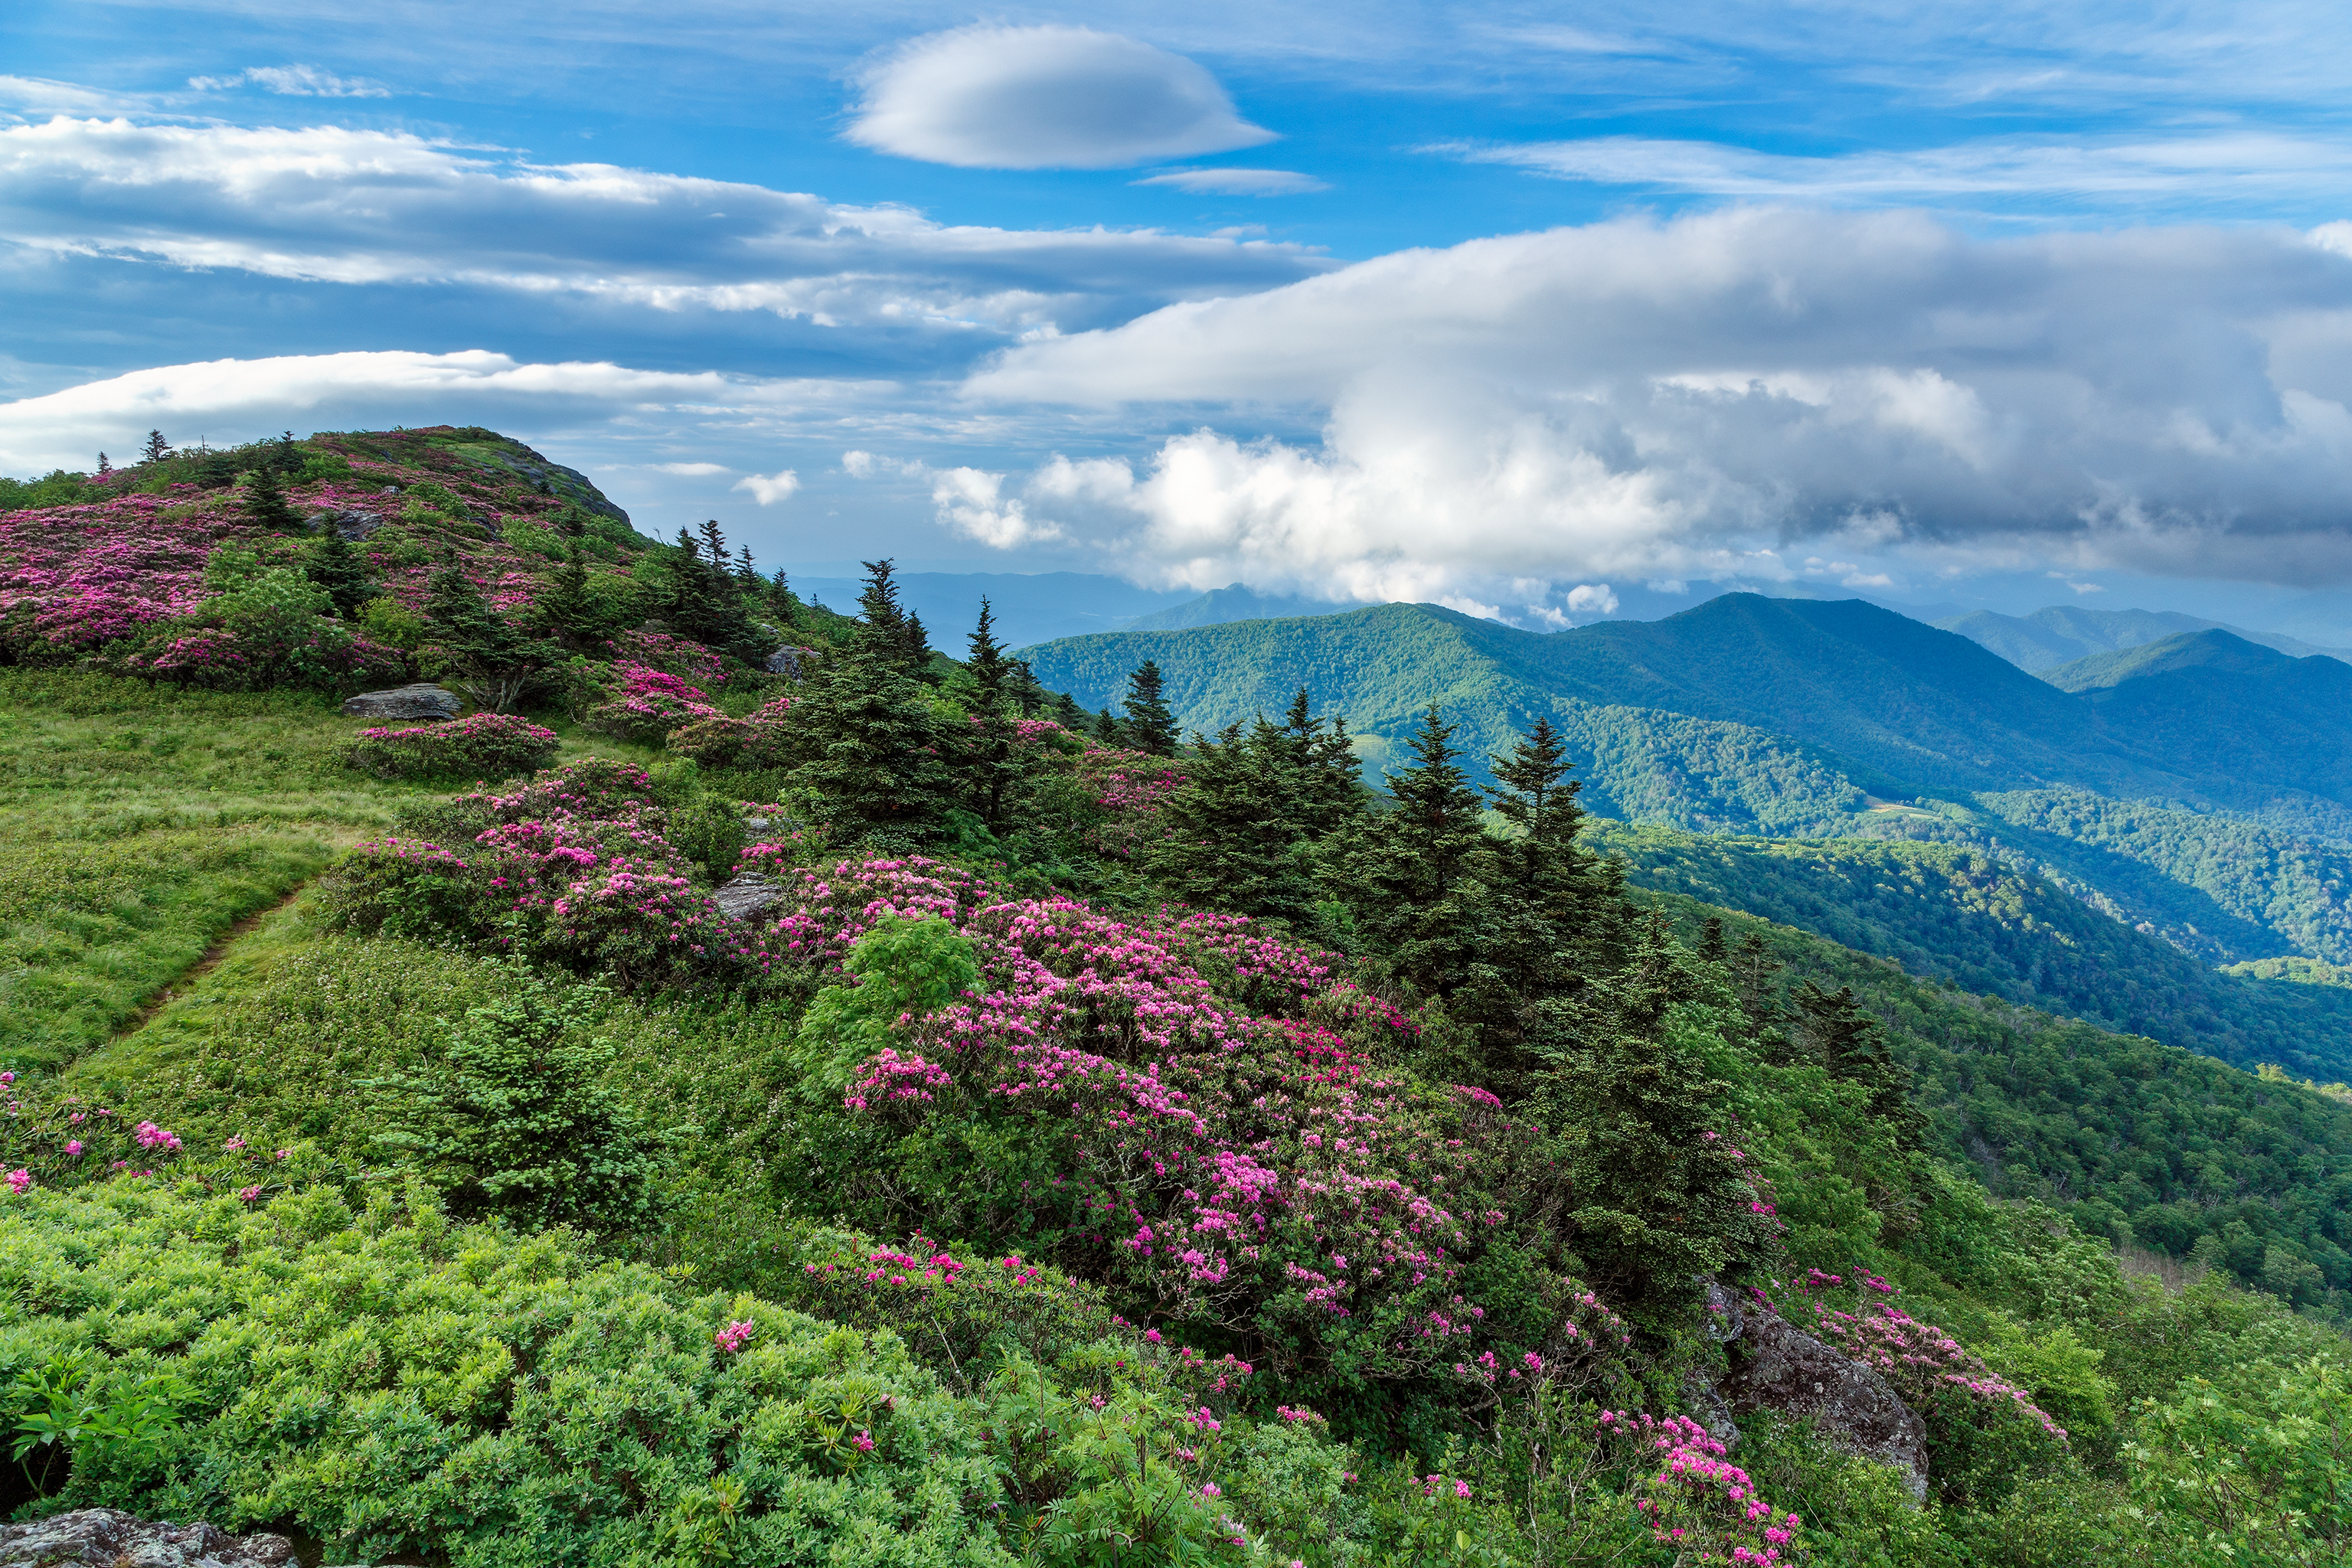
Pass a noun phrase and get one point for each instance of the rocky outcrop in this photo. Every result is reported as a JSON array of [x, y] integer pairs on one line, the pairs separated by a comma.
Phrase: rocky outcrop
[[789, 661], [348, 524], [109, 1538], [1776, 1367], [423, 701], [747, 894]]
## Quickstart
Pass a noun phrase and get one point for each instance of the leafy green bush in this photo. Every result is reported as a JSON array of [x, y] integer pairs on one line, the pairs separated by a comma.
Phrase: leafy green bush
[[396, 1384]]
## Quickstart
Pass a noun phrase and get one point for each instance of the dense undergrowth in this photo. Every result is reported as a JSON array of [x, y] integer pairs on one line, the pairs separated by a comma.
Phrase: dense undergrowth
[[1096, 1149]]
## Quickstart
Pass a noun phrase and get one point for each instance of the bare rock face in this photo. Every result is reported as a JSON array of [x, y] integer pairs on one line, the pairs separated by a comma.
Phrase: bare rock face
[[423, 701], [351, 526], [109, 1538], [1775, 1367], [747, 894], [789, 660]]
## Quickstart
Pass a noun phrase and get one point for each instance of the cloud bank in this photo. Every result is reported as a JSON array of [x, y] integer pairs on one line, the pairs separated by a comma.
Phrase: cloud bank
[[332, 205], [237, 399], [1238, 182], [992, 96], [1733, 394]]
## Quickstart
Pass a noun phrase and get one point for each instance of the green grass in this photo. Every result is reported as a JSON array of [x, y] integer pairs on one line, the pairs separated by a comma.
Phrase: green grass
[[139, 824]]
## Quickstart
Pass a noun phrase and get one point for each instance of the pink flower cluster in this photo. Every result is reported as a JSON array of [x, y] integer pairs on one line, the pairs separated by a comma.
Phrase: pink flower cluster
[[1918, 1358], [1699, 1499], [734, 1336]]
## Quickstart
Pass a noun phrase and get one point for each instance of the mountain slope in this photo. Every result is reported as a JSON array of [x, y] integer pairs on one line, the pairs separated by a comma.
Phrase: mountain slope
[[1975, 920], [2062, 634], [1028, 607], [1235, 602], [2206, 649]]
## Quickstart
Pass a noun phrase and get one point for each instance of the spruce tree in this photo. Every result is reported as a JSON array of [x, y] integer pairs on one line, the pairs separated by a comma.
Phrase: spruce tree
[[892, 632], [155, 449], [103, 465], [1149, 726], [482, 653], [265, 504], [1236, 836], [1414, 900], [1642, 1146], [341, 572], [1852, 1045], [993, 768]]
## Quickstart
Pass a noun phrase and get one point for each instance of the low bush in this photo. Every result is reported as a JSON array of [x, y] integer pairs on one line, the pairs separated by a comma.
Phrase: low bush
[[394, 1384], [482, 746]]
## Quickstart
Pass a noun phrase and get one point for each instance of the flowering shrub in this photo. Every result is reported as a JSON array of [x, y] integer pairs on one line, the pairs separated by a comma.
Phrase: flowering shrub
[[717, 740], [1129, 787], [1983, 1431], [1699, 1503], [485, 745], [50, 1140], [675, 655], [650, 704]]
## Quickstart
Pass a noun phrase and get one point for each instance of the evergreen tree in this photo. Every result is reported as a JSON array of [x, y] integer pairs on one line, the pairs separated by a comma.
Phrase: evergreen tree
[[746, 574], [1149, 726], [155, 449], [1106, 729], [893, 633], [564, 607], [480, 651], [1417, 857], [991, 765], [1237, 836], [1852, 1045], [1711, 946], [341, 572], [103, 465], [782, 603], [1640, 1152], [701, 598], [265, 504], [1546, 915], [286, 456], [1328, 781]]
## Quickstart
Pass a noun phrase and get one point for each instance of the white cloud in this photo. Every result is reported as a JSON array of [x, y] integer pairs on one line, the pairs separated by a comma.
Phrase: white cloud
[[1641, 399], [233, 399], [365, 207], [770, 489], [1593, 599], [39, 95], [293, 81], [690, 470], [2222, 165], [1237, 182], [991, 97]]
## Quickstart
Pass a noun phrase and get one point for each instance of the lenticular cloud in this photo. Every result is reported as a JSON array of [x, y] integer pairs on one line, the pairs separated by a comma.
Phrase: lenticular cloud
[[1724, 394], [1045, 97]]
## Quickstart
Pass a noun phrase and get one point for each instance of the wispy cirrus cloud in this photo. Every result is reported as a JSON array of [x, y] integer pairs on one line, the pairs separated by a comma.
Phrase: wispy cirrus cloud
[[1237, 182], [292, 82], [2224, 167]]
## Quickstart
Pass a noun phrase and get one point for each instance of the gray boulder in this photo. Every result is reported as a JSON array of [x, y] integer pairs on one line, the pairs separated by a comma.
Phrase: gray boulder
[[789, 661], [747, 894], [423, 701], [1776, 1367], [109, 1538], [349, 525]]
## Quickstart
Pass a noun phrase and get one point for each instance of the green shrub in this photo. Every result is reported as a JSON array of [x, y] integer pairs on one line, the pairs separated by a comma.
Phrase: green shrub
[[517, 1121], [395, 1384]]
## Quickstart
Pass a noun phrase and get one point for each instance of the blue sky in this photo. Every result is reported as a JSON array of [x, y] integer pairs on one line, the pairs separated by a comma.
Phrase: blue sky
[[1500, 306]]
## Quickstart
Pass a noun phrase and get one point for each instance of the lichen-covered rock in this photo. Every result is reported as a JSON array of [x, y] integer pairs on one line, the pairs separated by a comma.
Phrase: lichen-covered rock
[[747, 894], [789, 660], [1776, 1367], [109, 1538], [423, 701], [350, 524]]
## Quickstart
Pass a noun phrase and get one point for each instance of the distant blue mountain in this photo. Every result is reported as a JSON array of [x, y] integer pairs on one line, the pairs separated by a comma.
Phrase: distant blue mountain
[[1030, 608]]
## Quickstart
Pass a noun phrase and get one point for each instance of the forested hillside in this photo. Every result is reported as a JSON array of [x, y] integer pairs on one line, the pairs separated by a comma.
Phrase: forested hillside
[[757, 1089], [1981, 923]]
